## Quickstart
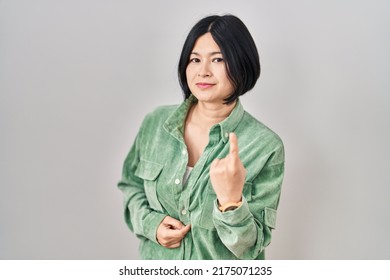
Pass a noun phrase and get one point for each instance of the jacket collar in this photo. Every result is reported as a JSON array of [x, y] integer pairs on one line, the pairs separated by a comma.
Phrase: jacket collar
[[175, 122]]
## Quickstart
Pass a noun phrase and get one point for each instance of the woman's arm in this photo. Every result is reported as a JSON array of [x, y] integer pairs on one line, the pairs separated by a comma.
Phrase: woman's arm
[[139, 217], [246, 231]]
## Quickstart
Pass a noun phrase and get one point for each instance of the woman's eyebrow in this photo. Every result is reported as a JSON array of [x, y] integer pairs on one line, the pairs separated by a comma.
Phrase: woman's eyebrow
[[212, 53]]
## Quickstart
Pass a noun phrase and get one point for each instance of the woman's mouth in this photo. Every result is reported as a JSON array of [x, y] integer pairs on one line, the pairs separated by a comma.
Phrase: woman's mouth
[[204, 85]]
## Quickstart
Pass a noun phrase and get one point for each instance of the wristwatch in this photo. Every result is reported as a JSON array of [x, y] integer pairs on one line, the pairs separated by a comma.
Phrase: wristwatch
[[229, 206]]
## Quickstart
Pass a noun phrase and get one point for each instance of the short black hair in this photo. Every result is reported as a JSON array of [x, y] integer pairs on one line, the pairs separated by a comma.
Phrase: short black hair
[[238, 49]]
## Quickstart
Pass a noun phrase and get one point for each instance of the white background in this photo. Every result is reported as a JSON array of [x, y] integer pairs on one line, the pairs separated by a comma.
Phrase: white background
[[77, 78]]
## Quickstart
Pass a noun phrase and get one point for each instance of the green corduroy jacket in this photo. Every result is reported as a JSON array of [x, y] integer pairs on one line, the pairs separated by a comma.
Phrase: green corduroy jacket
[[152, 184]]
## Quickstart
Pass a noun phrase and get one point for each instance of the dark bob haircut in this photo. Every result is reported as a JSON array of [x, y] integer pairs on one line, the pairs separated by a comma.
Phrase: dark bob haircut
[[238, 50]]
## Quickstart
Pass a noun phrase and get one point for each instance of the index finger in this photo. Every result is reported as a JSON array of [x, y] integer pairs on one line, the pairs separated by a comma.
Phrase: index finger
[[233, 144]]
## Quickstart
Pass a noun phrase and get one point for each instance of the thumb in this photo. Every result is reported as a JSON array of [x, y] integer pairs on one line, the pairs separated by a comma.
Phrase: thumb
[[215, 163], [186, 229]]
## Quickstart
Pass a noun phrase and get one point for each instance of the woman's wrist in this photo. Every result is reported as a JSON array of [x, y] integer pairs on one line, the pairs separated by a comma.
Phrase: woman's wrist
[[225, 200], [228, 205]]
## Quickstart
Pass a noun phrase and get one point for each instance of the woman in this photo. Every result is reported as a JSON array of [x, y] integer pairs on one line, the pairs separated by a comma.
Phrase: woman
[[202, 179]]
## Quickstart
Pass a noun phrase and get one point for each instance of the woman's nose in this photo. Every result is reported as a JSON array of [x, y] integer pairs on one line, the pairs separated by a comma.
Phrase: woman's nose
[[204, 71]]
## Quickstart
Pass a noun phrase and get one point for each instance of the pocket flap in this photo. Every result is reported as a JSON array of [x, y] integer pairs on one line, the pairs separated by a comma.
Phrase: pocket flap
[[148, 170], [270, 217]]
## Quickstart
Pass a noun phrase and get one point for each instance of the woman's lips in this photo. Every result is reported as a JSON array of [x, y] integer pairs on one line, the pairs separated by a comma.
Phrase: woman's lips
[[204, 85]]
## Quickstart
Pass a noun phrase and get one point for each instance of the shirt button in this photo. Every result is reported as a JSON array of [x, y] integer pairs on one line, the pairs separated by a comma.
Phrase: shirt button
[[227, 134], [184, 152], [184, 211], [177, 181]]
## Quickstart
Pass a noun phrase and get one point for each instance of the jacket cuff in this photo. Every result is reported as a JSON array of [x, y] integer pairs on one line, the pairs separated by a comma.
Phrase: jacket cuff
[[233, 217]]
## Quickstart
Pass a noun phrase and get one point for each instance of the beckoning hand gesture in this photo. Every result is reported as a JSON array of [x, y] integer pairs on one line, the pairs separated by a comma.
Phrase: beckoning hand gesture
[[227, 175]]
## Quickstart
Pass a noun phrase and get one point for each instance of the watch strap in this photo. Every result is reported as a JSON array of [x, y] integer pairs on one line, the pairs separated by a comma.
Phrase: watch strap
[[229, 206]]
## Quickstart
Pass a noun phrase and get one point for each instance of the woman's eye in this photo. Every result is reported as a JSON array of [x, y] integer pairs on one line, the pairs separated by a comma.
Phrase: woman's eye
[[194, 60], [218, 59]]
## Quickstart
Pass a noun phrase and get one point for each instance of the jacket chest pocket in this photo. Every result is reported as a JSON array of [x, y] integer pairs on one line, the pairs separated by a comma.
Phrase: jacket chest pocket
[[150, 171]]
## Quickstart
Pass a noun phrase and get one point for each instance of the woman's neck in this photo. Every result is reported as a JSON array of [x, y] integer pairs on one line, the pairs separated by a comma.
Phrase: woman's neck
[[207, 115]]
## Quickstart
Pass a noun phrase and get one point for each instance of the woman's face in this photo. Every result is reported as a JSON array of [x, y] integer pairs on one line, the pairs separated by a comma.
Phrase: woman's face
[[206, 72]]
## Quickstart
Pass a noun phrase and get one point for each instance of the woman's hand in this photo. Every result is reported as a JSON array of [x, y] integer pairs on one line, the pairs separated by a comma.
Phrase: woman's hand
[[227, 175], [170, 232]]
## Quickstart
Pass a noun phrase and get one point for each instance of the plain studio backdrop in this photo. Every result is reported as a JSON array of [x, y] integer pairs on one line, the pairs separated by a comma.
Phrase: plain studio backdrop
[[77, 78]]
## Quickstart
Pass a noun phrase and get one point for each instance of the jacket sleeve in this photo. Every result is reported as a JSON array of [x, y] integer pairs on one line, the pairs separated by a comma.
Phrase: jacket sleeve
[[246, 231], [139, 217]]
